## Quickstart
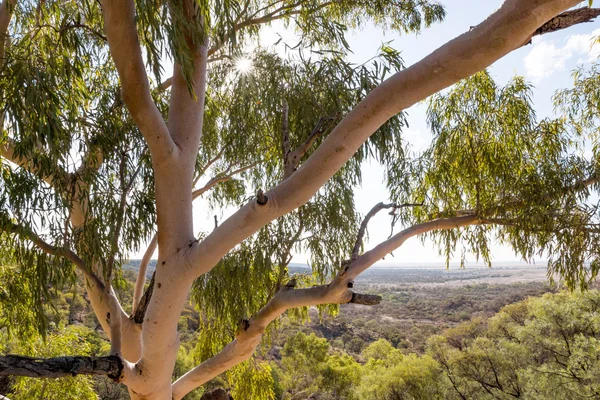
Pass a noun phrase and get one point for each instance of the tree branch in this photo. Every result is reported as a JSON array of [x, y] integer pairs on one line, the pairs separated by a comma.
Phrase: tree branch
[[337, 292], [26, 233], [568, 19], [286, 256], [72, 25], [209, 164], [102, 296], [247, 338], [120, 29], [140, 310], [292, 158], [186, 110], [141, 277], [88, 28], [220, 179], [166, 83], [59, 367], [114, 320], [6, 12], [91, 161], [251, 21], [141, 301], [371, 214], [286, 146], [573, 17], [116, 231], [8, 152], [505, 30]]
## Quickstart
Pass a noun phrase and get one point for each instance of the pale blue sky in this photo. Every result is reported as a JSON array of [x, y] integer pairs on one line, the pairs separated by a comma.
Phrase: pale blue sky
[[547, 63]]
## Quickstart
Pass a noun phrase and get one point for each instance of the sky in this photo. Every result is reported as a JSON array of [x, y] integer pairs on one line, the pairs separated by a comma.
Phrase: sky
[[547, 63]]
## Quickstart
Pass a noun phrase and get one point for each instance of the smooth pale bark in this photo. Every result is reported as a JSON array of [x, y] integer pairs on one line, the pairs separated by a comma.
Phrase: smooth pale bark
[[121, 32], [150, 250], [337, 292], [173, 147], [507, 29], [103, 298], [186, 111]]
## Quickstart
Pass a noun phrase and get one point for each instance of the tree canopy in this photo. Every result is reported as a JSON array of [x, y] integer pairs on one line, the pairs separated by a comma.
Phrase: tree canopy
[[101, 156]]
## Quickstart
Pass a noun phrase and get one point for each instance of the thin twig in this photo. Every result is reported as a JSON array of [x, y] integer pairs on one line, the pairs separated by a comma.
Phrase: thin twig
[[363, 226]]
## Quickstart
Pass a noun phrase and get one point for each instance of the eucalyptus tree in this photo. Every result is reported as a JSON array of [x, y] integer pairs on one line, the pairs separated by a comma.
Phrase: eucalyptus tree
[[101, 151], [526, 350]]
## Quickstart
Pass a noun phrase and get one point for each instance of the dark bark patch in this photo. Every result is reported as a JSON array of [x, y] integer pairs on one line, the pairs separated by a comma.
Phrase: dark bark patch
[[261, 197]]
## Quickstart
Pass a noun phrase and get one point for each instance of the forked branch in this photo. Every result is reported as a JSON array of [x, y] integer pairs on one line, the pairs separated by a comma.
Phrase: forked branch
[[220, 178], [186, 110], [504, 31], [292, 158], [363, 226], [337, 292], [141, 298], [120, 28]]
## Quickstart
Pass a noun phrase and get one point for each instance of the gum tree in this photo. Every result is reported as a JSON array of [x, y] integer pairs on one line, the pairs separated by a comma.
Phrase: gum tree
[[100, 152]]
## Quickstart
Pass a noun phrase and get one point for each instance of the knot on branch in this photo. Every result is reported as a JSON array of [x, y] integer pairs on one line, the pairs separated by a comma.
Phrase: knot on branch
[[243, 325], [261, 197], [291, 283], [365, 299], [117, 375]]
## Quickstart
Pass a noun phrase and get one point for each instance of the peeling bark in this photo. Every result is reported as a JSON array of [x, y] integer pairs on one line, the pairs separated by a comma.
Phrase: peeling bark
[[568, 19], [365, 299], [59, 367], [140, 311]]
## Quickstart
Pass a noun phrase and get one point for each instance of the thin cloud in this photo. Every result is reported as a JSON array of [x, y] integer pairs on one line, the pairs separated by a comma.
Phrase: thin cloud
[[547, 57]]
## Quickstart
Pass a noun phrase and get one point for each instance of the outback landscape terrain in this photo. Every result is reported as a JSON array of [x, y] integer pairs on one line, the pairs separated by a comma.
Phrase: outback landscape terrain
[[410, 346]]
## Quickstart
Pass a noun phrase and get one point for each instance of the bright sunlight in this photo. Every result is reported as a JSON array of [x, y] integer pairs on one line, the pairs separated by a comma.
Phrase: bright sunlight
[[243, 65]]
